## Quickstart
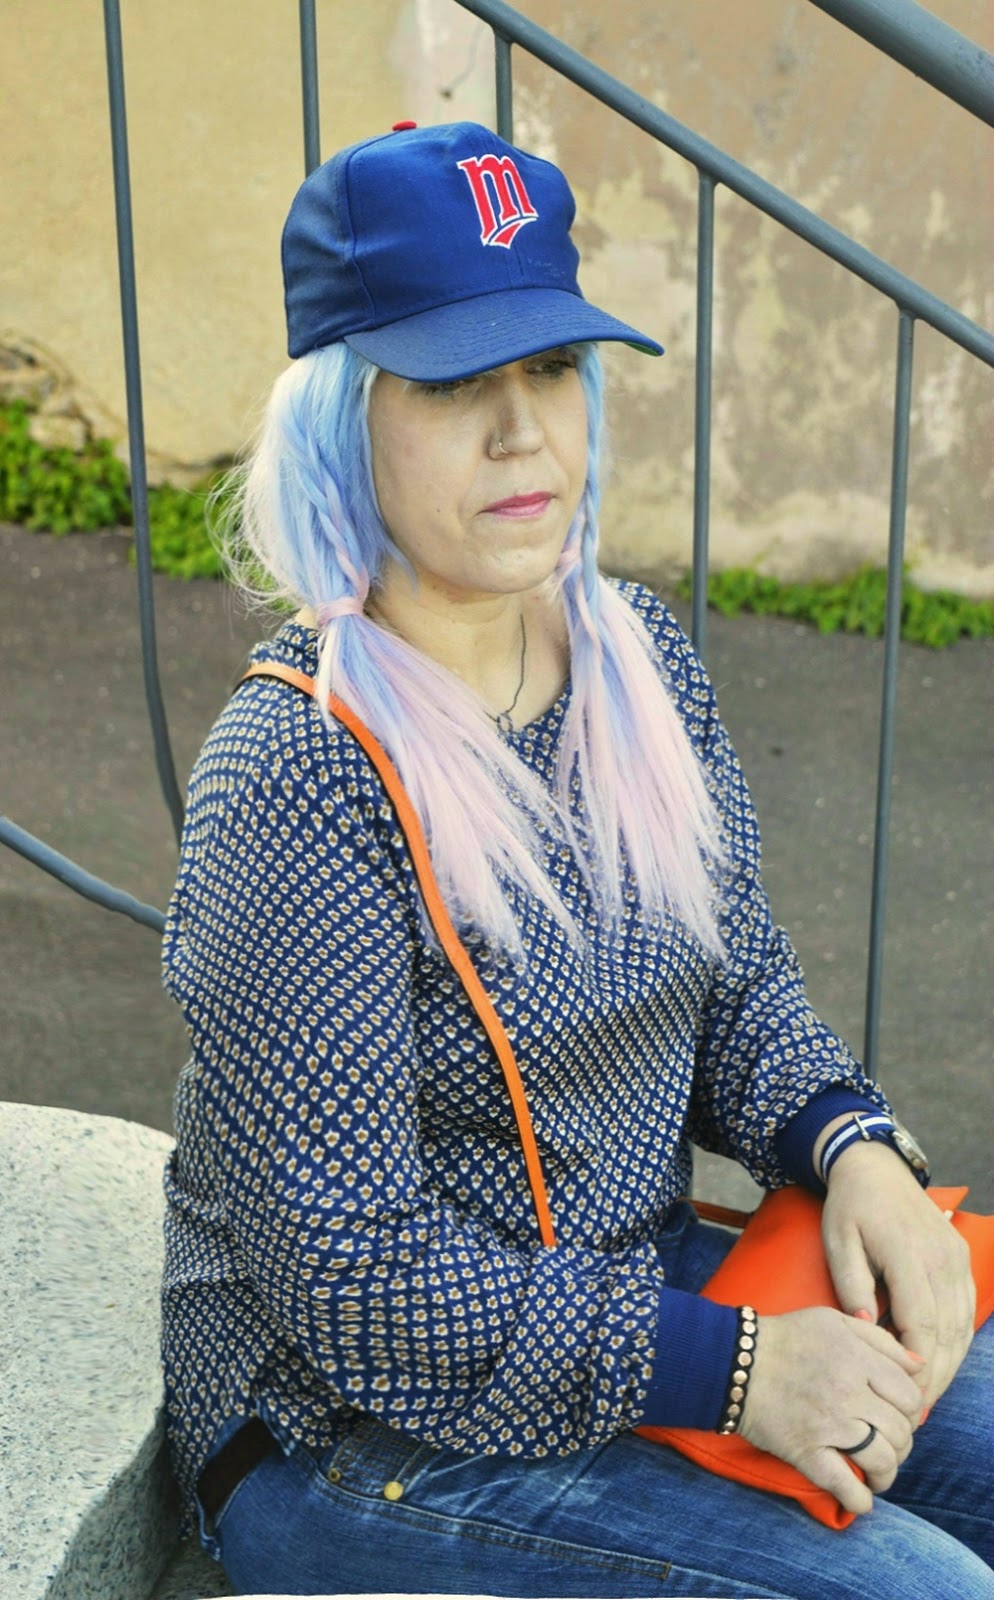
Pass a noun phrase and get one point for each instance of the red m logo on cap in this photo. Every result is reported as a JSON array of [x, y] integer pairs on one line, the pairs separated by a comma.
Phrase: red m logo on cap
[[500, 197]]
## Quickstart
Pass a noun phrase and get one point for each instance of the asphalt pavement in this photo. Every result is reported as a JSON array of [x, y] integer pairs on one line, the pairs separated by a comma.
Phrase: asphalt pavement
[[84, 1022]]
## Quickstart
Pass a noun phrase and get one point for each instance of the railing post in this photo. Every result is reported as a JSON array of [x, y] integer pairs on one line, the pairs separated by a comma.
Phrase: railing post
[[309, 83], [702, 408], [136, 421], [892, 639], [502, 71]]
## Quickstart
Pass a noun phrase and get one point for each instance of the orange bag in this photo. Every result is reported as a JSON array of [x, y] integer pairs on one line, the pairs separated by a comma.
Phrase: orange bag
[[777, 1265]]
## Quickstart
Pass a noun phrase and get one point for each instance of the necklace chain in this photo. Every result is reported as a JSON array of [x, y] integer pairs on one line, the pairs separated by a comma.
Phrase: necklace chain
[[503, 718]]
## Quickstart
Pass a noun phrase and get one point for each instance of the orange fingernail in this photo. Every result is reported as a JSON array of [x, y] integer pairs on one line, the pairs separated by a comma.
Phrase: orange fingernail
[[924, 1416], [864, 1316], [915, 1357]]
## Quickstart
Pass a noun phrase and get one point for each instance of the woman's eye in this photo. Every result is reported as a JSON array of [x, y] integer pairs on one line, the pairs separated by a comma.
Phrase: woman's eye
[[554, 366], [550, 367], [445, 390]]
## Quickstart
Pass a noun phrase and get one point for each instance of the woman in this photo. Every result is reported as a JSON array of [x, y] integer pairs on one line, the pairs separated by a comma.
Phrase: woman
[[378, 1379]]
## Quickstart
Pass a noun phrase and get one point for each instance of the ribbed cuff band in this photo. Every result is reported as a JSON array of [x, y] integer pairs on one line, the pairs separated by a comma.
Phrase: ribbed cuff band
[[695, 1343], [795, 1142]]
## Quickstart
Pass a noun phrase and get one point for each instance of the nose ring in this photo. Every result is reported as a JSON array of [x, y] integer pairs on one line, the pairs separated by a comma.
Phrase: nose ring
[[500, 447]]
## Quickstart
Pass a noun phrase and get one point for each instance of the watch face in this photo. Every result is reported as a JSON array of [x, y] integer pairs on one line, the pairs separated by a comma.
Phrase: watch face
[[910, 1149]]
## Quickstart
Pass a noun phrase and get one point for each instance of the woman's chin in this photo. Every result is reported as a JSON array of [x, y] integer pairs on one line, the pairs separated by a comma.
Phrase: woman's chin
[[520, 570]]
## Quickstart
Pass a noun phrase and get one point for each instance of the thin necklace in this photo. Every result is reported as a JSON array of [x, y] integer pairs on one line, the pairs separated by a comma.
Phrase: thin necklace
[[503, 718]]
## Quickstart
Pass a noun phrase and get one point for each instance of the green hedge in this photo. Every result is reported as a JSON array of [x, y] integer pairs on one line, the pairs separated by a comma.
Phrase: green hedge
[[60, 492], [853, 605]]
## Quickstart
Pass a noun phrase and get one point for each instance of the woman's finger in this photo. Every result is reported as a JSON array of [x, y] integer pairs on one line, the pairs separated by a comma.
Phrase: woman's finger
[[896, 1363], [882, 1438], [852, 1274], [898, 1387], [830, 1469], [933, 1308], [875, 1456]]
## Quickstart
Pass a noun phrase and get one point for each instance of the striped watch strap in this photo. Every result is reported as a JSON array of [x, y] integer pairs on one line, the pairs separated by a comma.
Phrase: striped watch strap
[[871, 1125]]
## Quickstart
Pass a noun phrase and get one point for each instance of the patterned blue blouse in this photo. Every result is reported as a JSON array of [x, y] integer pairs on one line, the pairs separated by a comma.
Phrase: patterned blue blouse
[[349, 1222]]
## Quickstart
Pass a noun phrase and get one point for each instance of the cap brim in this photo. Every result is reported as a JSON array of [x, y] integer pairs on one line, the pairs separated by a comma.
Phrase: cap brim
[[458, 340]]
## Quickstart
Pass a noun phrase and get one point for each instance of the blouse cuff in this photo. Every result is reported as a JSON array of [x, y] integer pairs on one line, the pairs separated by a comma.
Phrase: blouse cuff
[[796, 1140], [695, 1347]]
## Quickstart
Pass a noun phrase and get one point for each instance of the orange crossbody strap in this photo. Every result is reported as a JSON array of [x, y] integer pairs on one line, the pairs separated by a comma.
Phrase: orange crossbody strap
[[727, 1216], [448, 938]]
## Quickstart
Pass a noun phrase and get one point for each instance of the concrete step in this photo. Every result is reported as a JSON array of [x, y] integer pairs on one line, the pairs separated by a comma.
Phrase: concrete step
[[87, 1503], [191, 1575]]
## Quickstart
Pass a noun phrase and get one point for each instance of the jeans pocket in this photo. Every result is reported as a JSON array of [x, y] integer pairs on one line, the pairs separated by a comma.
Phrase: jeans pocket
[[373, 1460], [209, 1522], [213, 1523]]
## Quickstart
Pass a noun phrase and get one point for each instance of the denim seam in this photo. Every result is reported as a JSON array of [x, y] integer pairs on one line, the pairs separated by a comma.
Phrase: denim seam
[[218, 1517], [926, 1510], [551, 1550], [494, 1534]]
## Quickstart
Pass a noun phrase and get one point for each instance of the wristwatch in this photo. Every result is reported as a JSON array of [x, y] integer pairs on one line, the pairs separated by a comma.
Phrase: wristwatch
[[875, 1125]]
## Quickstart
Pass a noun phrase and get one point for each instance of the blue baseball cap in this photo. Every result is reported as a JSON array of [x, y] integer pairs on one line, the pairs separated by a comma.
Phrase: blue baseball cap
[[437, 253]]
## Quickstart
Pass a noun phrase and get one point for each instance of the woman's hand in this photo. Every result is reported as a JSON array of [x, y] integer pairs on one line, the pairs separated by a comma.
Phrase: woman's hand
[[819, 1382], [878, 1223]]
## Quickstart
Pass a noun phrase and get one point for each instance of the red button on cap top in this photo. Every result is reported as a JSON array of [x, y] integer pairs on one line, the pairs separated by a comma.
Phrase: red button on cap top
[[399, 127]]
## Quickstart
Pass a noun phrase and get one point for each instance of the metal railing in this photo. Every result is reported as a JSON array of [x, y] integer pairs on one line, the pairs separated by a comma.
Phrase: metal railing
[[930, 48], [952, 64]]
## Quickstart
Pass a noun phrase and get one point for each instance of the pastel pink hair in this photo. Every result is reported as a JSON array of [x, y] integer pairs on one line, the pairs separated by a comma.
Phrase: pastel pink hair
[[630, 795]]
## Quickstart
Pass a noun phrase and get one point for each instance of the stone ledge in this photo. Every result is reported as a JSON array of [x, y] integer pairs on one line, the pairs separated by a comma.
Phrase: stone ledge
[[87, 1507], [87, 1503], [192, 1575]]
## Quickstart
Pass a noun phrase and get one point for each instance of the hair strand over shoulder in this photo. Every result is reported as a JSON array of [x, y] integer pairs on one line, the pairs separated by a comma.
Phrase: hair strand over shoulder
[[304, 527]]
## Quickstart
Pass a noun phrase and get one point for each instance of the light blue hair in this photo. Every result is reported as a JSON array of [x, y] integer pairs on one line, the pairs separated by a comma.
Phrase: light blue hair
[[305, 527]]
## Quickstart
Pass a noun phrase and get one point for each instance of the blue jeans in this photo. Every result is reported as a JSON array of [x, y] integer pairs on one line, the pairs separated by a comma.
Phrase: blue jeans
[[377, 1512]]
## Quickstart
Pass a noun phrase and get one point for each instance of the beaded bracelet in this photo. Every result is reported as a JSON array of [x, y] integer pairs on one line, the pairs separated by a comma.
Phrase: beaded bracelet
[[738, 1382]]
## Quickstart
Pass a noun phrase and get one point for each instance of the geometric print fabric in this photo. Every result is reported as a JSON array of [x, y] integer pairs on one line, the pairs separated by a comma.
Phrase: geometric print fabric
[[349, 1223]]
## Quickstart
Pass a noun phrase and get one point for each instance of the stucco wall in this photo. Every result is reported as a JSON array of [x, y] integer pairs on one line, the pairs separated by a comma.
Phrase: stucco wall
[[804, 367]]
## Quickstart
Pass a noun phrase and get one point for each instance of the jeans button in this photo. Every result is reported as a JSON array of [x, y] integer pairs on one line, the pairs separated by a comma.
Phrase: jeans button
[[333, 1475], [393, 1490]]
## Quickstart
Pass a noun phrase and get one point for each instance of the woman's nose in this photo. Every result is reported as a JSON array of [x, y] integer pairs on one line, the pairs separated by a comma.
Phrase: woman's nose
[[518, 424]]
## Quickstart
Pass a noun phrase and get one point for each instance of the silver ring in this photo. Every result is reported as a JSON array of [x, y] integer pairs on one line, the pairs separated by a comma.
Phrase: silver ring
[[500, 446], [864, 1444]]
